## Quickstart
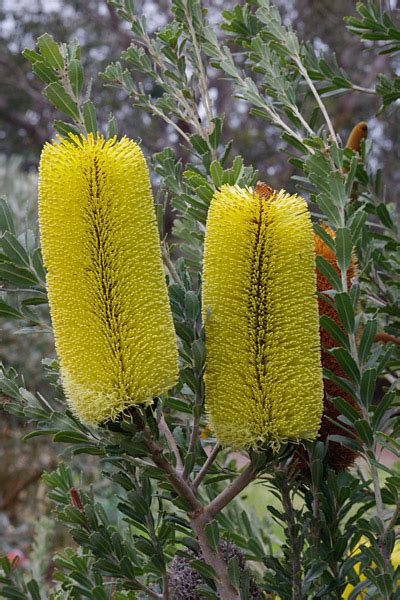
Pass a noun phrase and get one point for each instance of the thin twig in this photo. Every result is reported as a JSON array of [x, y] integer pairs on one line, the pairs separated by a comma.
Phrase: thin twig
[[196, 423], [170, 265], [393, 521], [176, 480], [203, 76], [317, 97], [359, 88], [204, 469], [163, 426], [293, 538]]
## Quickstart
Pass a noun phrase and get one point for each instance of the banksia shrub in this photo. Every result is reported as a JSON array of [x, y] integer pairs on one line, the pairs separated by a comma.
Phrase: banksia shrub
[[263, 373], [107, 293], [339, 457]]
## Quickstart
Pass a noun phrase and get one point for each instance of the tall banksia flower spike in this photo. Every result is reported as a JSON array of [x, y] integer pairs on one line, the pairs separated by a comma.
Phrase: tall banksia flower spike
[[107, 293], [263, 372], [339, 457]]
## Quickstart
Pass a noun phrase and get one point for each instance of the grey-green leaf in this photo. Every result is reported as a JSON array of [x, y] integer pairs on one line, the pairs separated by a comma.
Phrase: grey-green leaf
[[50, 51], [61, 100], [344, 248], [89, 117], [75, 73]]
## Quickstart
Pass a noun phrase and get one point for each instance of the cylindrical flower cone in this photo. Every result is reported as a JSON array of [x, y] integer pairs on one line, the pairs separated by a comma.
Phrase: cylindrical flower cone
[[107, 293], [263, 371]]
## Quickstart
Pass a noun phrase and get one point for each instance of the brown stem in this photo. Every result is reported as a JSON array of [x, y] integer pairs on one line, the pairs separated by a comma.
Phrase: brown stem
[[163, 426], [214, 558], [233, 489], [387, 338], [178, 483], [204, 469], [293, 538]]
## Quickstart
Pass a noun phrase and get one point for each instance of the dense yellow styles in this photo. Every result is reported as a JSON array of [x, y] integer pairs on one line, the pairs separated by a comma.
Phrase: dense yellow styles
[[263, 372], [107, 293]]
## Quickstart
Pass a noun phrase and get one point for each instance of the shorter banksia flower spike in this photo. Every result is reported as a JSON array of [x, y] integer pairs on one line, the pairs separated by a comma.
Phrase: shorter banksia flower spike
[[263, 372], [108, 299]]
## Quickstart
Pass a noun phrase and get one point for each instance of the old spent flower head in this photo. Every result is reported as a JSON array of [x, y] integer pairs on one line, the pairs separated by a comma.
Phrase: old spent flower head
[[263, 373], [108, 299]]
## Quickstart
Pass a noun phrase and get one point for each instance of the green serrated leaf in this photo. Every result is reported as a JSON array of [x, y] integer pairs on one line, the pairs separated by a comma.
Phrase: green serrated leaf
[[9, 311], [89, 117], [75, 74], [367, 386], [61, 100], [364, 431], [329, 271], [345, 311], [6, 217], [50, 51], [344, 248], [367, 339], [64, 128], [334, 331], [14, 250], [112, 126]]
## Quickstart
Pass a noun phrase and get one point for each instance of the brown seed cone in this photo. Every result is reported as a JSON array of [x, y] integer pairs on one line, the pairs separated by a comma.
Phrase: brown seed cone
[[339, 458], [358, 133]]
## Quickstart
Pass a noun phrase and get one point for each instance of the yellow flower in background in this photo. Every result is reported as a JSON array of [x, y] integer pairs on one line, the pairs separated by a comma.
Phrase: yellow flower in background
[[108, 298], [395, 560], [263, 371]]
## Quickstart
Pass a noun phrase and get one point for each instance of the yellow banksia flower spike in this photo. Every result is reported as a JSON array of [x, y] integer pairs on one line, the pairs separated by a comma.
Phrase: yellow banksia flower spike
[[263, 372], [107, 293]]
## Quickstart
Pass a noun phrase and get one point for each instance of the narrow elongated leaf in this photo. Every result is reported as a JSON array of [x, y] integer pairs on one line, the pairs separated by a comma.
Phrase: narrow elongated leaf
[[367, 386], [9, 311], [50, 51], [329, 209], [202, 568], [14, 250], [334, 330], [381, 408], [345, 311], [75, 74], [44, 72], [343, 248], [89, 117], [357, 224], [329, 271], [18, 276], [340, 381], [364, 431], [6, 218], [367, 338], [64, 128], [346, 409], [345, 441], [325, 237], [347, 363], [59, 97], [112, 126]]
